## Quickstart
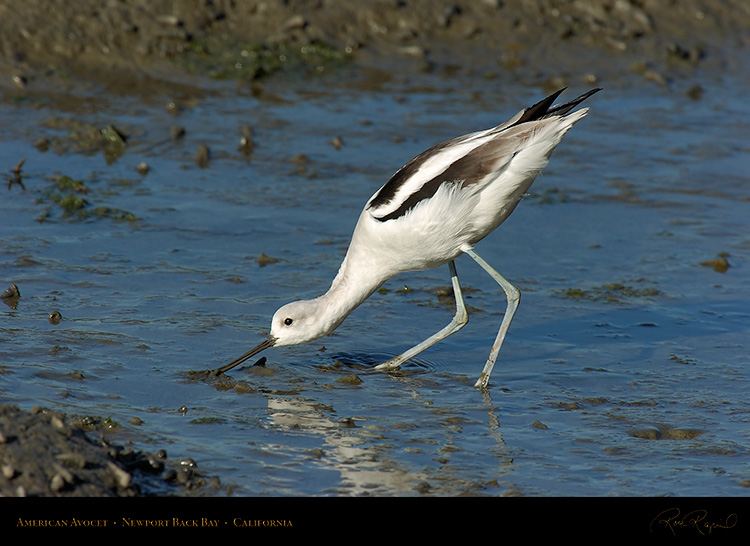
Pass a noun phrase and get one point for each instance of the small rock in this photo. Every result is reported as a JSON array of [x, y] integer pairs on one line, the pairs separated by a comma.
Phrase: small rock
[[56, 483], [122, 478], [647, 433], [176, 132], [294, 22], [11, 292], [352, 379], [264, 260], [423, 488], [656, 77], [19, 81], [246, 141], [188, 462], [720, 264], [695, 92], [42, 144], [202, 156]]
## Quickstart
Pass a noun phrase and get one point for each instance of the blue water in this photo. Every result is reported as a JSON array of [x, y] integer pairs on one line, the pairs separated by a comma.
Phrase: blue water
[[639, 396]]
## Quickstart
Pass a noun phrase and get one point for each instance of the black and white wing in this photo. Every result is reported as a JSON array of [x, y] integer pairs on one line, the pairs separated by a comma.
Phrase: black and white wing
[[468, 160]]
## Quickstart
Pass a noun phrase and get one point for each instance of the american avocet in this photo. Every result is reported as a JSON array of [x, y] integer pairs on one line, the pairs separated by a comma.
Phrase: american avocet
[[435, 208]]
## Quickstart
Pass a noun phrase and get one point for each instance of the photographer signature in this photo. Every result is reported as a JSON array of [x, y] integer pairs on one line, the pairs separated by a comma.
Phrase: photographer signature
[[673, 520]]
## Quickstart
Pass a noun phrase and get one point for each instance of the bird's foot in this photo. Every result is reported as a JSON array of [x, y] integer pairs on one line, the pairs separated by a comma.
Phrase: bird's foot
[[483, 381], [392, 364]]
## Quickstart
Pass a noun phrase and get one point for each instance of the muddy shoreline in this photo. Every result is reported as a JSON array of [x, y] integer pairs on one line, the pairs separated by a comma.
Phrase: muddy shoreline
[[140, 45], [128, 45], [46, 453]]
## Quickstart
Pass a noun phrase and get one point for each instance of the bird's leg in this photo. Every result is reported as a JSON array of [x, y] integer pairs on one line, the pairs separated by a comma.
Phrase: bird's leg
[[514, 297], [459, 321]]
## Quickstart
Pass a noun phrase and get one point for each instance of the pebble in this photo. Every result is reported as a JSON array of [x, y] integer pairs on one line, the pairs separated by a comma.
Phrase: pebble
[[176, 132], [11, 292], [646, 433], [695, 92], [423, 488], [72, 460], [57, 483], [720, 264], [122, 477], [42, 144], [294, 22], [264, 260], [351, 379], [656, 77], [202, 155], [247, 144], [188, 462], [19, 81]]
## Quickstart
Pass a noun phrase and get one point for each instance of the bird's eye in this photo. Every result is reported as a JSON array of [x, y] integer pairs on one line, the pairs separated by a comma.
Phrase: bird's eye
[[288, 321]]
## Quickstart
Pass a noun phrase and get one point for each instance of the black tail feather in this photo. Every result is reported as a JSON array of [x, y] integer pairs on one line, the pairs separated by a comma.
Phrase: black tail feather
[[539, 110], [562, 109], [544, 109]]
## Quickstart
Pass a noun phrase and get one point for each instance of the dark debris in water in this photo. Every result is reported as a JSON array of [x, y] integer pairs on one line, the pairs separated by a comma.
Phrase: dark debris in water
[[609, 293], [550, 196], [10, 296], [350, 379], [202, 156], [264, 260], [16, 175], [720, 264], [665, 433], [227, 382], [54, 318]]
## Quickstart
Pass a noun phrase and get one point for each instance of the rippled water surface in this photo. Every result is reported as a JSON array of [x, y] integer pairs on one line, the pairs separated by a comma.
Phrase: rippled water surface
[[625, 367]]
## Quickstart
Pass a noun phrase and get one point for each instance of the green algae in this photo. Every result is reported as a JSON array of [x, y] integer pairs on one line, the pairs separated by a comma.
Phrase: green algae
[[221, 59], [66, 198]]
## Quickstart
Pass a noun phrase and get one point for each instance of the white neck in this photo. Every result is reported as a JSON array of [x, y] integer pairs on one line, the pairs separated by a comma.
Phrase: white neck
[[352, 285]]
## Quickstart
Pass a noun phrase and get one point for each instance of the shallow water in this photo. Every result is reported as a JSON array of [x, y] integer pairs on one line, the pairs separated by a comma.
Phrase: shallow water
[[624, 369]]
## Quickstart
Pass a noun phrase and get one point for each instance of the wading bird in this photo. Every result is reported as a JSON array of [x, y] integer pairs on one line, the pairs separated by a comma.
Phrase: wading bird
[[435, 208]]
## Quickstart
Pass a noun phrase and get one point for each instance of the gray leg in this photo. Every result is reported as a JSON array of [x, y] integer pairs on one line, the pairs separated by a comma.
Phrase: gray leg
[[514, 297], [459, 321]]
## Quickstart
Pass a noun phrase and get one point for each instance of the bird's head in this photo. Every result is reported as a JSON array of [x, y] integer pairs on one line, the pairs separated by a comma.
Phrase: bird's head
[[294, 323], [299, 322]]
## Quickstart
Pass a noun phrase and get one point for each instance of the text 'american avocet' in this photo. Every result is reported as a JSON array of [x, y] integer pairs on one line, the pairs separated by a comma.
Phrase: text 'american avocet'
[[435, 208]]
